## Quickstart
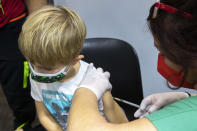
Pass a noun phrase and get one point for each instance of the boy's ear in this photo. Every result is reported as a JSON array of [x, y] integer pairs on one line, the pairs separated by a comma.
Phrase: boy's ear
[[77, 59]]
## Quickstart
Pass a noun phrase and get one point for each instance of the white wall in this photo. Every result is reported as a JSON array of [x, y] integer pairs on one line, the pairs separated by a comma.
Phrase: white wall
[[126, 20]]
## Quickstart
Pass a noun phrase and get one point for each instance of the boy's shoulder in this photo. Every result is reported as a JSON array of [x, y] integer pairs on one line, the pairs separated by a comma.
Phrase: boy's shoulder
[[83, 62]]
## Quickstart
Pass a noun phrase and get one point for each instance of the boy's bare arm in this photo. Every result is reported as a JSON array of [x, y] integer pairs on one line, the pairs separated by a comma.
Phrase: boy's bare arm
[[33, 5], [112, 110], [46, 119]]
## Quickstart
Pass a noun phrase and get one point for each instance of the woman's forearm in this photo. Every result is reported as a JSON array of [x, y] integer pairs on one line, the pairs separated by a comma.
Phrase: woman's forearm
[[84, 112]]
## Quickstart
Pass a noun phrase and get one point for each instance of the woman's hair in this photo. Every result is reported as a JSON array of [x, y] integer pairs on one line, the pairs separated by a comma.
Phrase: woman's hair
[[175, 33], [52, 35]]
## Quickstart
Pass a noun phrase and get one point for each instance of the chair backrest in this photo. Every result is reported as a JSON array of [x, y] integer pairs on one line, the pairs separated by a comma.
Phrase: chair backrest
[[120, 59]]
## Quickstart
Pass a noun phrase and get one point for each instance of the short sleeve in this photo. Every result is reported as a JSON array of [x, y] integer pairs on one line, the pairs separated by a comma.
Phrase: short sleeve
[[179, 116], [35, 90]]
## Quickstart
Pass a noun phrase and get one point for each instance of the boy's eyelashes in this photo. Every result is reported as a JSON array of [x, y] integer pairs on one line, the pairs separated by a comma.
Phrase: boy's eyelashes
[[47, 69], [43, 68]]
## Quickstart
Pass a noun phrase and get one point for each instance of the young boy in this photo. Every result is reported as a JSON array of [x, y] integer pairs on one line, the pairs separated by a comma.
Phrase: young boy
[[51, 40]]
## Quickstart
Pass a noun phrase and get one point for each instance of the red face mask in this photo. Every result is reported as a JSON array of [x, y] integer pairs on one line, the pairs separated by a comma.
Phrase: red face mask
[[171, 75]]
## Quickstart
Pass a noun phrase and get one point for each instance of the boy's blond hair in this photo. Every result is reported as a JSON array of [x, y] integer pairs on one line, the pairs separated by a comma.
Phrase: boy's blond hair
[[52, 35]]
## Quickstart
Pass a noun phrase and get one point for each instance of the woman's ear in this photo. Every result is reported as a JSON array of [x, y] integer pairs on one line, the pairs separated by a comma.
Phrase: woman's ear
[[77, 59]]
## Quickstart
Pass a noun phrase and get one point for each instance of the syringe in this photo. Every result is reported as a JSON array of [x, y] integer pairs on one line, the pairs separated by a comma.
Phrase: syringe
[[127, 102]]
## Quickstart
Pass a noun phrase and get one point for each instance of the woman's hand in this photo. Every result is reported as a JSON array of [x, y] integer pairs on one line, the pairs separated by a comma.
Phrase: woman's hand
[[155, 102], [96, 80]]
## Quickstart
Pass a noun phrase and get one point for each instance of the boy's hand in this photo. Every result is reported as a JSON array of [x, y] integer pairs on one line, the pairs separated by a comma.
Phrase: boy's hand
[[96, 80]]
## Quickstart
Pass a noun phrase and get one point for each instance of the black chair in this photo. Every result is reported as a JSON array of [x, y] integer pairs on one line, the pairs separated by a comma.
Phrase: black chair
[[120, 59]]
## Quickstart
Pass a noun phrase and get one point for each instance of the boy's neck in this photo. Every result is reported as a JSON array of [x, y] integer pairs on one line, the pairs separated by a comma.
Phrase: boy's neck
[[73, 71]]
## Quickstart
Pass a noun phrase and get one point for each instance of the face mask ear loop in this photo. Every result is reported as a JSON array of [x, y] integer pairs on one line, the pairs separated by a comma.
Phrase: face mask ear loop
[[185, 72], [156, 10]]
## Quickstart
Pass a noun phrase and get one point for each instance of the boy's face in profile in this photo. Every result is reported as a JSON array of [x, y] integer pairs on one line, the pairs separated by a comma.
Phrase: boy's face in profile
[[44, 74], [51, 74], [54, 69]]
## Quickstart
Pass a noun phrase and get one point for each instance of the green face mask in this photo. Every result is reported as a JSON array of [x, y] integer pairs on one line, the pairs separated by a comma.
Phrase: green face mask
[[49, 78]]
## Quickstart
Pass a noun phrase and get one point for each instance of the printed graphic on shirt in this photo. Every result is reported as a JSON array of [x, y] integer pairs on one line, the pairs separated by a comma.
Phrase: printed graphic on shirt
[[58, 104]]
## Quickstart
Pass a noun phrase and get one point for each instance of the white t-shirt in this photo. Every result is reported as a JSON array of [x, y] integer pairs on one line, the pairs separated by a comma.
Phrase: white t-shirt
[[57, 96]]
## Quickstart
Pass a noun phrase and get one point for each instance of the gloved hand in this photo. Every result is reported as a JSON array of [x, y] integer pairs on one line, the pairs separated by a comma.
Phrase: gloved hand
[[96, 80], [155, 102]]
